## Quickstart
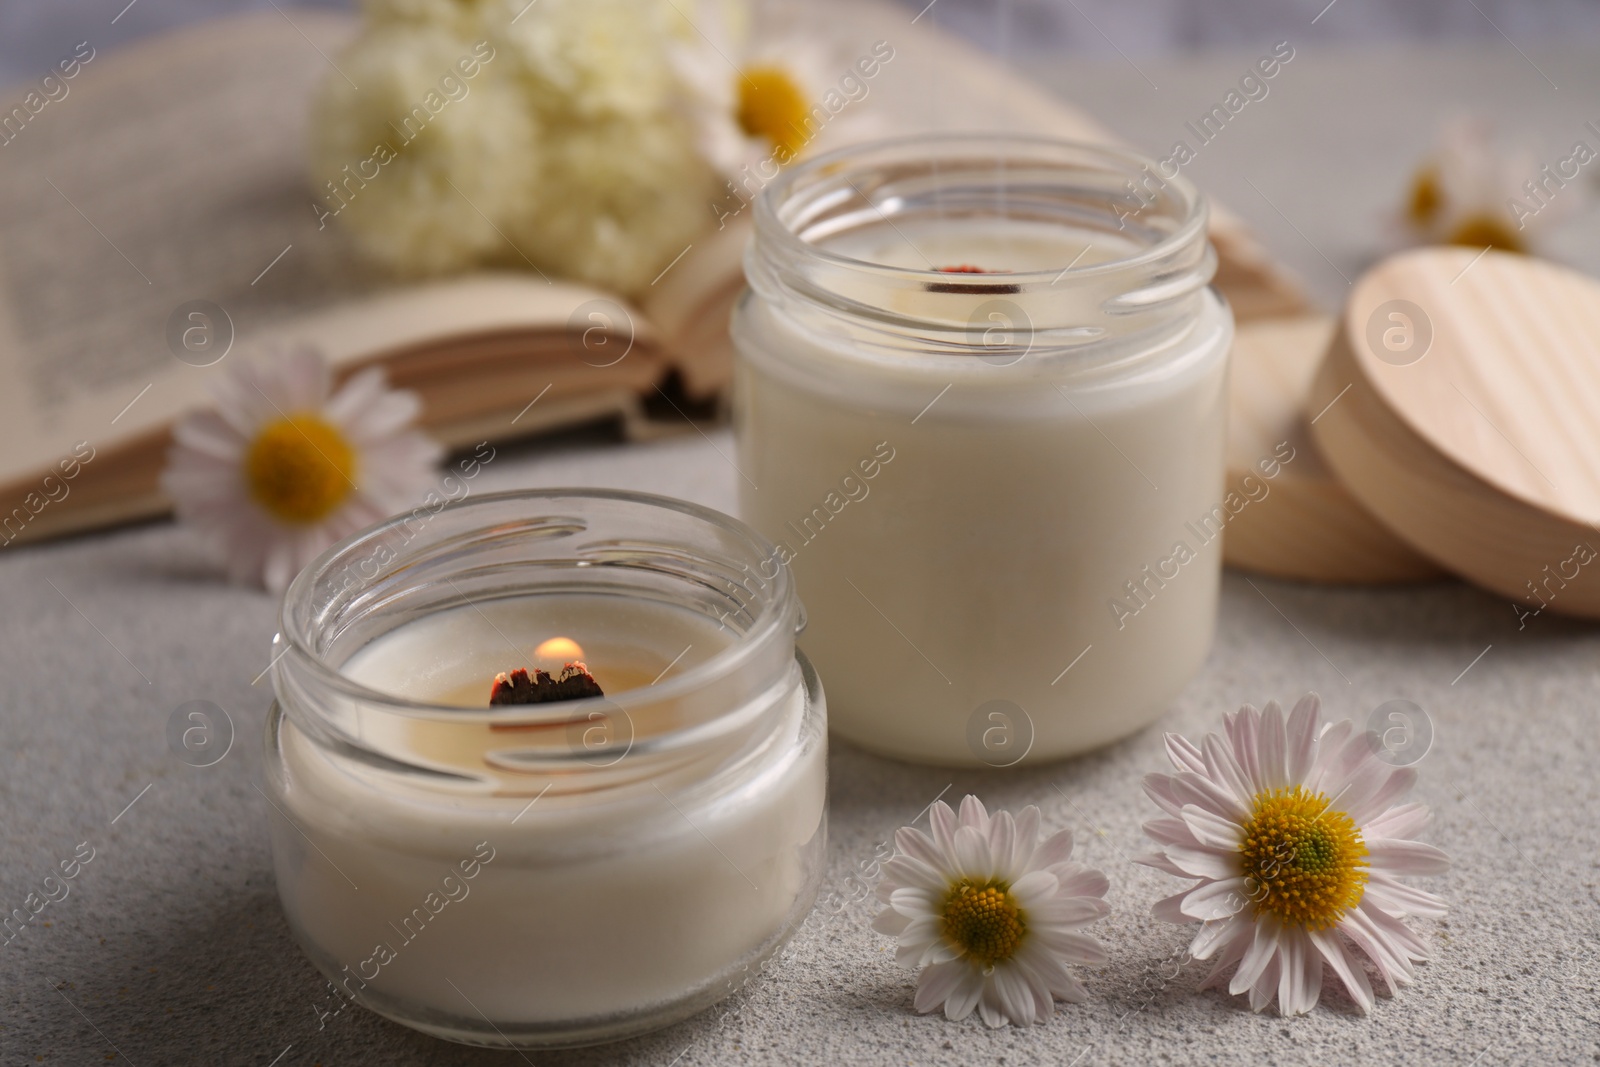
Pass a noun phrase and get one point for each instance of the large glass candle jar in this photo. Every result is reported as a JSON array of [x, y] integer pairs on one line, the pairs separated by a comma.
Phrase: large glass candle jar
[[547, 873], [980, 405]]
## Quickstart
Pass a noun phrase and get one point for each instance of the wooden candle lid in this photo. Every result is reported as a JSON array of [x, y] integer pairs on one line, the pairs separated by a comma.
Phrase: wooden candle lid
[[1460, 402], [1300, 522]]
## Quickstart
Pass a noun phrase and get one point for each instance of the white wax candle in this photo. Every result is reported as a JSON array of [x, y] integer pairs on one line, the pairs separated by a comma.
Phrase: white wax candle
[[586, 901], [962, 528]]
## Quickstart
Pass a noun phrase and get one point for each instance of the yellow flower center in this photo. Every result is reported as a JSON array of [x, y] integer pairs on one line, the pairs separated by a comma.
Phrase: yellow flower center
[[299, 468], [1303, 861], [1426, 197], [1486, 231], [771, 105], [983, 920]]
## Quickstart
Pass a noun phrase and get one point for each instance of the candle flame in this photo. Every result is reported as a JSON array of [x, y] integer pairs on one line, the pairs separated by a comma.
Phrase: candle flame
[[559, 650]]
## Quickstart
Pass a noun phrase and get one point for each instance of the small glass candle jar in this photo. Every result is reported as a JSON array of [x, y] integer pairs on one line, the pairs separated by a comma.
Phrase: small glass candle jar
[[980, 402], [557, 873]]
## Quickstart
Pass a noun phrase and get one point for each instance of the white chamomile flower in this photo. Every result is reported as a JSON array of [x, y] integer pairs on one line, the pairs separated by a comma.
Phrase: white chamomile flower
[[1469, 192], [280, 470], [990, 915], [759, 104], [1299, 841]]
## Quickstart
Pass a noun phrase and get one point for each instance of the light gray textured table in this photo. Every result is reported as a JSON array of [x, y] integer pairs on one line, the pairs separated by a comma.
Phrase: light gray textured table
[[171, 949]]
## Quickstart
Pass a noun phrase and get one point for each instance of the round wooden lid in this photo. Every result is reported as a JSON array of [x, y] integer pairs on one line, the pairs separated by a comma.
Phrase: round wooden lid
[[1460, 403], [1301, 522]]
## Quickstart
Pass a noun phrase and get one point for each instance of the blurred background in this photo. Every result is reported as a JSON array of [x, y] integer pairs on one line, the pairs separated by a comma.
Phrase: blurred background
[[33, 33], [1322, 174]]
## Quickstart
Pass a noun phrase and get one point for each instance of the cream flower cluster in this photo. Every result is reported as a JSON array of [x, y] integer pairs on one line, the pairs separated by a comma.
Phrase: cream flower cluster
[[571, 136]]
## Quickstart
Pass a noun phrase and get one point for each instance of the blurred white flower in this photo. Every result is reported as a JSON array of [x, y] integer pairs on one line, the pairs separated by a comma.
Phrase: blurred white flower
[[1465, 192], [426, 164], [593, 139]]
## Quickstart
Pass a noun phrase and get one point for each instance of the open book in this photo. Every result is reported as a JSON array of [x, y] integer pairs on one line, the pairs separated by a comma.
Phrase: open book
[[159, 214]]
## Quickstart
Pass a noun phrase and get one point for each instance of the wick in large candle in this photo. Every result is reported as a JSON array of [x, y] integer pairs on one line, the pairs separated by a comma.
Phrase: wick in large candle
[[967, 268]]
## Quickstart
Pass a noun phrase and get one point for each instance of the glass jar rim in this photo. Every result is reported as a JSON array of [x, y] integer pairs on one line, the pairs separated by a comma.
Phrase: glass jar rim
[[771, 228], [767, 623]]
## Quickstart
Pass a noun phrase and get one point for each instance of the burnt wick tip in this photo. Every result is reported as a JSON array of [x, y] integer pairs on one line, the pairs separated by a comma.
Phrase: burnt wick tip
[[519, 687]]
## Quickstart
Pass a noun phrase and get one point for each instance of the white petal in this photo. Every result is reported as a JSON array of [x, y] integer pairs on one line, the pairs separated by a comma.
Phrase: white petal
[[1354, 776], [1215, 900], [891, 922], [1309, 986], [918, 845], [906, 872], [206, 432], [943, 823], [1199, 790], [1291, 975], [1261, 993], [1071, 990], [1062, 913], [990, 1011], [1397, 899], [1073, 946], [1223, 769], [1391, 961], [1079, 881], [914, 901], [1027, 840], [1204, 862], [1243, 728], [1169, 831], [1212, 831], [301, 381], [1262, 951], [1016, 997], [354, 397], [937, 983], [1304, 721], [1350, 972], [1034, 888], [1160, 789], [960, 1001], [1160, 862], [972, 853], [1405, 857], [384, 415], [973, 813], [1048, 974], [1184, 755], [1002, 846], [1228, 959], [1170, 909], [1219, 933], [1272, 753], [1396, 933], [1057, 848], [1407, 820], [1328, 758], [279, 567], [1398, 783], [916, 942]]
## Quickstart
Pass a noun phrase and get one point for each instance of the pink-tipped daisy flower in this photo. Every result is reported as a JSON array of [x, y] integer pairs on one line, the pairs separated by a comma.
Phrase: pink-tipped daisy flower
[[281, 469], [990, 915], [1300, 842]]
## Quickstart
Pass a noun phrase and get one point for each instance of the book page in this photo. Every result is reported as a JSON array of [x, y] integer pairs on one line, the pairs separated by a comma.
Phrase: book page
[[158, 216], [168, 174]]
